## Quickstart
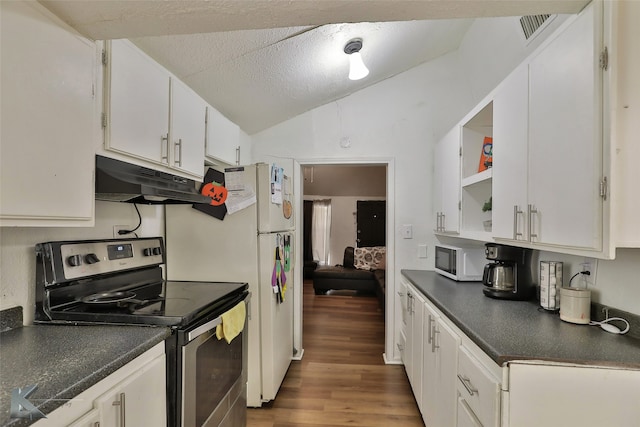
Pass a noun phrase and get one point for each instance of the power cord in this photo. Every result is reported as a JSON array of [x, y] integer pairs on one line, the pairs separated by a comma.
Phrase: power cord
[[123, 232], [586, 273], [611, 328]]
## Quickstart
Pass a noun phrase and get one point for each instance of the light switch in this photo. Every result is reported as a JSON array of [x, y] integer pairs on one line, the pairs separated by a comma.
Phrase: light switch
[[407, 232], [422, 251]]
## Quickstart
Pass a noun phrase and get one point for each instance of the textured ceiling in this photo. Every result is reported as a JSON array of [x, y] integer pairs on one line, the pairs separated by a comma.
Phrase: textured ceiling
[[261, 62]]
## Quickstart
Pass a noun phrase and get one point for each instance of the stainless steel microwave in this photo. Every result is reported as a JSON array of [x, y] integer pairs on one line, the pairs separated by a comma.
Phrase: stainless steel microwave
[[464, 264]]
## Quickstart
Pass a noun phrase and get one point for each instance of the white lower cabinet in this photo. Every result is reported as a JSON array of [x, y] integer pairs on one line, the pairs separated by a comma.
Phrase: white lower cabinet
[[414, 344], [134, 395], [439, 370], [544, 393], [137, 401]]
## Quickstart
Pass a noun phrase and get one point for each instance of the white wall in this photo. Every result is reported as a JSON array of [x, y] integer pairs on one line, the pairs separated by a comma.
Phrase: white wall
[[17, 254]]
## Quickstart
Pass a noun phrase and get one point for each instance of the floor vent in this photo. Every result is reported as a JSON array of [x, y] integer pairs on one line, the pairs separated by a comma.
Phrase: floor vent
[[531, 23]]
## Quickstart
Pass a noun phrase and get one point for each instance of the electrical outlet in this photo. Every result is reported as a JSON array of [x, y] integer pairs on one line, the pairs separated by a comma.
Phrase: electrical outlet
[[591, 265], [117, 228]]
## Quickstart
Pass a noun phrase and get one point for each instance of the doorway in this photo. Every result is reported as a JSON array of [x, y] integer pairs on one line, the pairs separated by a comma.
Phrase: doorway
[[308, 170]]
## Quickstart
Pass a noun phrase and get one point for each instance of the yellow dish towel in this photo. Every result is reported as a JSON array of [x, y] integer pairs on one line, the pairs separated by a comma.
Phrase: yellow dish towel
[[232, 322]]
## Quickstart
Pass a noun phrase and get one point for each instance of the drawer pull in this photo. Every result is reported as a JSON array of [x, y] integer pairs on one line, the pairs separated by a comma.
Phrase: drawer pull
[[466, 382]]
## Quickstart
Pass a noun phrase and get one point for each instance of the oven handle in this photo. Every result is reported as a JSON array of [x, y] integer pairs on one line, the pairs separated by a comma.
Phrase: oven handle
[[192, 335]]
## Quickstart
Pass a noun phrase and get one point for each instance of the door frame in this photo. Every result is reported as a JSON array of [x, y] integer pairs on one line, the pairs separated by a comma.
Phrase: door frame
[[390, 281]]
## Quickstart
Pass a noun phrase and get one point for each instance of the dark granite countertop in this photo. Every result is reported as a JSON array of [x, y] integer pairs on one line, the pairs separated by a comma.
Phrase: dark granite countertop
[[64, 361], [510, 330]]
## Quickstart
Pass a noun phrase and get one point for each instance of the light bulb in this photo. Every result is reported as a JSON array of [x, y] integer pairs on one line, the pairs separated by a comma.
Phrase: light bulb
[[357, 69]]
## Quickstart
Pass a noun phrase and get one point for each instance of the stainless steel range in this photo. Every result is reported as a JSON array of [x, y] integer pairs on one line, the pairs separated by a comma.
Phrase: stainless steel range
[[120, 281]]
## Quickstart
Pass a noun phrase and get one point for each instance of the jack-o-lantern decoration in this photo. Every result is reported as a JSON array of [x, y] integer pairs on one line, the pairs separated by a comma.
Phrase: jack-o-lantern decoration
[[216, 191]]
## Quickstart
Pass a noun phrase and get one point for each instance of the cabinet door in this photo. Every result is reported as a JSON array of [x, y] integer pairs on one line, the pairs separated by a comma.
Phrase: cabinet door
[[571, 396], [138, 96], [447, 182], [429, 368], [414, 336], [447, 343], [187, 129], [510, 142], [439, 370], [48, 111], [142, 397], [223, 138], [565, 154]]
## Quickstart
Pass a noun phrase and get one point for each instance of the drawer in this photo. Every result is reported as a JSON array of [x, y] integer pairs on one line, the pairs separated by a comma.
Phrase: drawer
[[479, 389]]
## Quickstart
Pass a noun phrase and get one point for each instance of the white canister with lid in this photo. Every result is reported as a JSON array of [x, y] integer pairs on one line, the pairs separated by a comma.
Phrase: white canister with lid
[[575, 305]]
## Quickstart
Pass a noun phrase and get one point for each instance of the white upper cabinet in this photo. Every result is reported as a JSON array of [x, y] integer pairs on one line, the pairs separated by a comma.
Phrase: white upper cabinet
[[447, 183], [138, 104], [223, 139], [49, 120], [510, 168], [187, 128], [565, 137], [151, 115]]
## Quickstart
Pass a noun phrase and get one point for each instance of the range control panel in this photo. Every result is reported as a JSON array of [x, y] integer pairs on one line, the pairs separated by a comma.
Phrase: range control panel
[[80, 259]]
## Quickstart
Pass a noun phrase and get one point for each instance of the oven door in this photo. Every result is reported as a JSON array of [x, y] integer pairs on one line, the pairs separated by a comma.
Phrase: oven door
[[213, 378]]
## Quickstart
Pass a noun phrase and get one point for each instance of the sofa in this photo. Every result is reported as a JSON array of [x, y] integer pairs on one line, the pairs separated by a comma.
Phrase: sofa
[[362, 270]]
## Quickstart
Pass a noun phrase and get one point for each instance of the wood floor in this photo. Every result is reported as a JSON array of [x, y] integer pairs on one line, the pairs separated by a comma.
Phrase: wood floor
[[342, 379]]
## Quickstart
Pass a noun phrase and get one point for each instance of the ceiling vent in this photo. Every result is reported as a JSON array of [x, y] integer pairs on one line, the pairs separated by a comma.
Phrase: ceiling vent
[[531, 23]]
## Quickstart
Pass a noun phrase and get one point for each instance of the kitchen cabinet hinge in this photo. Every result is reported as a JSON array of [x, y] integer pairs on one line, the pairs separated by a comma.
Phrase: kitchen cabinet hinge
[[604, 59], [104, 57], [104, 120], [603, 188]]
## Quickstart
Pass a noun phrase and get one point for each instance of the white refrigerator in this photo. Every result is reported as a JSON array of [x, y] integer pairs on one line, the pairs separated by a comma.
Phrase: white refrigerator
[[241, 248]]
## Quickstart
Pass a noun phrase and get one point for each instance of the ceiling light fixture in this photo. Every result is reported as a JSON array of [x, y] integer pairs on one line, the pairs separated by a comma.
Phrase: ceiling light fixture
[[357, 69]]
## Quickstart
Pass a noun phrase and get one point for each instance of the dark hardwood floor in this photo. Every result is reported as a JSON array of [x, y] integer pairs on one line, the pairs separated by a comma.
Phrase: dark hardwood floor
[[342, 379]]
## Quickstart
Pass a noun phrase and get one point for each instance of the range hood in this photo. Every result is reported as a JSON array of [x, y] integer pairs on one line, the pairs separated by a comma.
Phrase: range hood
[[118, 181]]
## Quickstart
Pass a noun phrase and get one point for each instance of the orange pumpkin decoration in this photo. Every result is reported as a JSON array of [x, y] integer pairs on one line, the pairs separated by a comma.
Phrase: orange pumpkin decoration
[[216, 191]]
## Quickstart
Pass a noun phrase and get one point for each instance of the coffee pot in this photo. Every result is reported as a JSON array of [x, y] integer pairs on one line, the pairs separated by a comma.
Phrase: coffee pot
[[499, 276], [509, 275]]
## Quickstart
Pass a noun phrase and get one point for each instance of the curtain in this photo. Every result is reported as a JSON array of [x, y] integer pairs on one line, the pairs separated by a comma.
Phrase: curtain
[[321, 231]]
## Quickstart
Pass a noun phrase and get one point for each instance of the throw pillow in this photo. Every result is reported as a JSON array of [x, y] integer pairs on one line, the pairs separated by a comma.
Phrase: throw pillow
[[369, 258]]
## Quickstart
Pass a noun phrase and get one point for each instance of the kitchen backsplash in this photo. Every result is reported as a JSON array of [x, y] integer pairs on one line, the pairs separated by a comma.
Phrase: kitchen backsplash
[[17, 272]]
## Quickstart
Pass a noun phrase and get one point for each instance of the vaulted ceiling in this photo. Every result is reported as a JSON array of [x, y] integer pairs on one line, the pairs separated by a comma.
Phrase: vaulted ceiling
[[261, 62]]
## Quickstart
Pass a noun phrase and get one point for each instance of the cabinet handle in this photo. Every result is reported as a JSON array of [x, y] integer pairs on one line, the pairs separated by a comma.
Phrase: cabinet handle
[[96, 424], [400, 347], [121, 404], [444, 218], [410, 303], [532, 211], [238, 156], [164, 144], [179, 145], [430, 336], [516, 212], [434, 340], [466, 382]]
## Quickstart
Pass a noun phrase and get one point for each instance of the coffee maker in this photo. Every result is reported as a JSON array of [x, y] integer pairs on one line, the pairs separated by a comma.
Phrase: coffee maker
[[509, 276]]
